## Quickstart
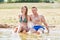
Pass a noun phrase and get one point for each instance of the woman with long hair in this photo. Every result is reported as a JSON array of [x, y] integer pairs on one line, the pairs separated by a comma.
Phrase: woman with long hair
[[23, 19]]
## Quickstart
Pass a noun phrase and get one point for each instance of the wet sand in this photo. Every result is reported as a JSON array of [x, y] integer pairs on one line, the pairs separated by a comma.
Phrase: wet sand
[[7, 34]]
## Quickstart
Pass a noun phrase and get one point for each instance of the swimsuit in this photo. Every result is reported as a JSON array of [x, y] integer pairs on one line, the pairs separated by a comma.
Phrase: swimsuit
[[37, 27], [25, 20]]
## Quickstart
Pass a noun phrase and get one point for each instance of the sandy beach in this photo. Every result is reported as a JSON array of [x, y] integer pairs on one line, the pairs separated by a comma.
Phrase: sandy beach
[[10, 16]]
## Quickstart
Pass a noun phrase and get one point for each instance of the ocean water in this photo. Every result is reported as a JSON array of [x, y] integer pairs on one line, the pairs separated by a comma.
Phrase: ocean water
[[8, 34]]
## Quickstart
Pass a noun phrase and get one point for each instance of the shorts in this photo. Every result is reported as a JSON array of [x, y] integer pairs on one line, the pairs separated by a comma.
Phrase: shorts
[[37, 27]]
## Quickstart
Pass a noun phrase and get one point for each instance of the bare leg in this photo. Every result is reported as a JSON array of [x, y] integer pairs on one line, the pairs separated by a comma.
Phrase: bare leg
[[33, 30]]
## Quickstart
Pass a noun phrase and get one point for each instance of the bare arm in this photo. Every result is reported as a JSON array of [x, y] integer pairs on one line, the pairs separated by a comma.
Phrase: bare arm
[[29, 18], [44, 22], [18, 16]]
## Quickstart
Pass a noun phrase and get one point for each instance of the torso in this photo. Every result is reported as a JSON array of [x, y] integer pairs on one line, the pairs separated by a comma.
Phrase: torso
[[23, 21], [36, 20]]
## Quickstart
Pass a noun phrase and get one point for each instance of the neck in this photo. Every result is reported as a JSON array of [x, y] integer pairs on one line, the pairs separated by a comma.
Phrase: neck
[[23, 14], [36, 14]]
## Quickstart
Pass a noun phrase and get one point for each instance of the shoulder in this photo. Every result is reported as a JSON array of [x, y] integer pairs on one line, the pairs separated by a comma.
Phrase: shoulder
[[19, 15], [28, 16], [41, 16]]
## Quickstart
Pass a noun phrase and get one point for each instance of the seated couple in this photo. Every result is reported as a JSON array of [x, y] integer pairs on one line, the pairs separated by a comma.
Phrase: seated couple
[[36, 19]]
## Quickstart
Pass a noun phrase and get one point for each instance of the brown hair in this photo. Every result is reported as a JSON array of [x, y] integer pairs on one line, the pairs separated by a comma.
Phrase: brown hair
[[34, 7], [26, 11]]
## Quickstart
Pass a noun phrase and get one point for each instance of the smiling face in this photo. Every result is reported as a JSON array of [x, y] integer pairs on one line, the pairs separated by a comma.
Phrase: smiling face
[[34, 10], [23, 10]]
